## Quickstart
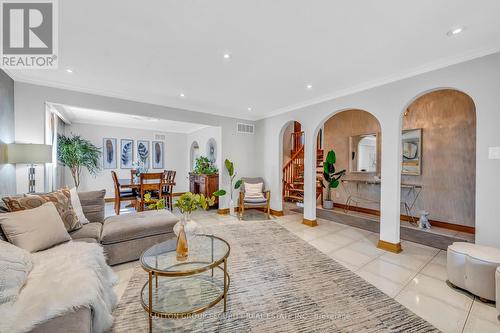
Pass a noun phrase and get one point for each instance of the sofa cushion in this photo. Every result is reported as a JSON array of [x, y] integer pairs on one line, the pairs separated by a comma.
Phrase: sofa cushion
[[126, 227], [93, 205], [35, 229], [89, 230], [15, 265], [61, 199]]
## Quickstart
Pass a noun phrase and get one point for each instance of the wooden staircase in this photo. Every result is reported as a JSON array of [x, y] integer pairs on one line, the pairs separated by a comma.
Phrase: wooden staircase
[[293, 172]]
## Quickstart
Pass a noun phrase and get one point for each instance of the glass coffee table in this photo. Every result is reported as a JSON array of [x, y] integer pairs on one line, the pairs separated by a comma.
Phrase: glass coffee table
[[177, 289]]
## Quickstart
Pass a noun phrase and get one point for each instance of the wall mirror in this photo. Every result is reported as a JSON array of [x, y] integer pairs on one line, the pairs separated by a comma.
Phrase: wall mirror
[[363, 153], [412, 152]]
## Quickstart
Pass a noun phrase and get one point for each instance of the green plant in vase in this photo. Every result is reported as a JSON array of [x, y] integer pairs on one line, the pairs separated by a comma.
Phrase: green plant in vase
[[203, 166], [232, 175], [331, 177]]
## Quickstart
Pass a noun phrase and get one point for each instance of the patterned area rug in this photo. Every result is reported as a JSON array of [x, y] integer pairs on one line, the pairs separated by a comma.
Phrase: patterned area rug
[[279, 283]]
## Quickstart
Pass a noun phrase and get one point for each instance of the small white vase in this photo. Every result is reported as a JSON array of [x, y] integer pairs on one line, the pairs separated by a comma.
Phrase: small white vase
[[190, 227], [231, 208]]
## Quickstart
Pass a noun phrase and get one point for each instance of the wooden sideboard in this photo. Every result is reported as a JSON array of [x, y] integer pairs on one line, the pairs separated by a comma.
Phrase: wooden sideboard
[[204, 184]]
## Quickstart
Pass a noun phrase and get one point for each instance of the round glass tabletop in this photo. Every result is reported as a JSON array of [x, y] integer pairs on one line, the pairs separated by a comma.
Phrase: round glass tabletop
[[205, 252]]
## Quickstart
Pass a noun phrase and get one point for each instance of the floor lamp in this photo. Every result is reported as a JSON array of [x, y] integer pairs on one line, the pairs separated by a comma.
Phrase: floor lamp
[[31, 154]]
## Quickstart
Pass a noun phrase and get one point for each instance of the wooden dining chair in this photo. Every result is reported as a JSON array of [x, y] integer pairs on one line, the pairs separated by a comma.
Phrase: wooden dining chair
[[121, 194], [149, 183], [167, 191]]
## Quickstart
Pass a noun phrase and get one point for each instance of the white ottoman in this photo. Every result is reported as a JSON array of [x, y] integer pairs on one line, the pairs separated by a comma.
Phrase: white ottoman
[[472, 267]]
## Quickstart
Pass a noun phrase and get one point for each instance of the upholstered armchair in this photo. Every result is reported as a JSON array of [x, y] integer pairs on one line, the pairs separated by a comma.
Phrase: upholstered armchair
[[255, 197]]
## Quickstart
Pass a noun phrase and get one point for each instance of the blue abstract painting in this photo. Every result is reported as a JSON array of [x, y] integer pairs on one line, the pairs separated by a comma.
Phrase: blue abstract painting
[[127, 153]]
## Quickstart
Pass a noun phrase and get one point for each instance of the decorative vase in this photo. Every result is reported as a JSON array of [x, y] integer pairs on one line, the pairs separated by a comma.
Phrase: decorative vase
[[231, 207], [327, 204], [181, 249], [190, 227], [136, 178]]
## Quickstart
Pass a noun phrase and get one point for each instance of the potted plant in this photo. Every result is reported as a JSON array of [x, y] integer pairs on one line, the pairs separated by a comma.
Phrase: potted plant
[[185, 229], [204, 166], [232, 175], [77, 153], [331, 177], [140, 167]]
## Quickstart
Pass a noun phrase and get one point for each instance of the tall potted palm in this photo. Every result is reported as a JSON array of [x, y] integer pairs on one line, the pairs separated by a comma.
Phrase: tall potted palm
[[77, 153], [331, 177]]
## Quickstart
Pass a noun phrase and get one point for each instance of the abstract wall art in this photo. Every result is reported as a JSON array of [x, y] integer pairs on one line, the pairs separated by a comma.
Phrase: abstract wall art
[[157, 154], [127, 153], [109, 153]]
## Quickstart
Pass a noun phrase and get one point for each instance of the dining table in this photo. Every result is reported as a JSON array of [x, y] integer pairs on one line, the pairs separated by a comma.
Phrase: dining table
[[153, 184]]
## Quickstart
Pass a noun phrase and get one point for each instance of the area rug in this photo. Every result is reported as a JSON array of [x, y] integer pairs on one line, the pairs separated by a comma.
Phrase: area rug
[[279, 283]]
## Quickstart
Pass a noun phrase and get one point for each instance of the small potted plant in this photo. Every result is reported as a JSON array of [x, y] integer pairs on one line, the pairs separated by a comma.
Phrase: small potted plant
[[204, 166], [140, 167], [232, 175], [331, 177]]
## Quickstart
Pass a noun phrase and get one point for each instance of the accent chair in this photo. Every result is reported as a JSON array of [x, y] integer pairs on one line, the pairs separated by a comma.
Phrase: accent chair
[[260, 199]]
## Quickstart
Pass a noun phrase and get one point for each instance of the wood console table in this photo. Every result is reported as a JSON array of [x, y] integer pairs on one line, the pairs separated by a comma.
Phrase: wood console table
[[204, 184]]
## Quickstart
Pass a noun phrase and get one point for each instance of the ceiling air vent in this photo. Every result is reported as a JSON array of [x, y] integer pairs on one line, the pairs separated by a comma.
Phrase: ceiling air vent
[[246, 128], [160, 137]]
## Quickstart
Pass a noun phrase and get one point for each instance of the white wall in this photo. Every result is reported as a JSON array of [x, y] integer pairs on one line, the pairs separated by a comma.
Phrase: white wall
[[30, 114], [174, 155], [7, 171], [479, 78]]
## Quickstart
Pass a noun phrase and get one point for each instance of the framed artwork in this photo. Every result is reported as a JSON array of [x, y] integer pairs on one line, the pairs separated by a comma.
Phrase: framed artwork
[[127, 153], [157, 154], [143, 152], [109, 153]]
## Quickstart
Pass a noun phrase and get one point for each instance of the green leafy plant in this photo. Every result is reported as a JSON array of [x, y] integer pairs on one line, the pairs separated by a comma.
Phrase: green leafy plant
[[189, 202], [232, 175], [204, 166], [77, 153], [331, 177], [152, 203]]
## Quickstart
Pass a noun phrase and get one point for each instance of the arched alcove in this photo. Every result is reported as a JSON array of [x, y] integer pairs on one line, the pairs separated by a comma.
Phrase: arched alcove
[[439, 154], [212, 150], [292, 162], [194, 153]]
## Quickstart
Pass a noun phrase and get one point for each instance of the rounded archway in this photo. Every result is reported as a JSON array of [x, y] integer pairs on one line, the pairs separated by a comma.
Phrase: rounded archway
[[194, 153], [353, 136], [292, 141], [439, 155]]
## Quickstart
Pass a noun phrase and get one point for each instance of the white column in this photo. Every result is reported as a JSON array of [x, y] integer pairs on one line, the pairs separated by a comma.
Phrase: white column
[[390, 185], [309, 177]]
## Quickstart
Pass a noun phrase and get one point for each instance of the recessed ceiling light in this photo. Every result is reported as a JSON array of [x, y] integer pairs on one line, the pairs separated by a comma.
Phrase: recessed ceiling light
[[226, 56], [69, 70], [455, 31], [182, 95], [309, 86], [249, 109]]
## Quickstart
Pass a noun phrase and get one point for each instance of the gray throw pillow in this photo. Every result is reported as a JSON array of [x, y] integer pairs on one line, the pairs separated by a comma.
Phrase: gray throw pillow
[[34, 229]]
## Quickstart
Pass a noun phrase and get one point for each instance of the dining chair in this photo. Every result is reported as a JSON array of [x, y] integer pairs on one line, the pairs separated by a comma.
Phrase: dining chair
[[152, 183], [167, 191], [132, 175], [121, 194]]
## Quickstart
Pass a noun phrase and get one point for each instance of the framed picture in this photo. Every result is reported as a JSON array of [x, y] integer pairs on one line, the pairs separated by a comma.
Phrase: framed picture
[[109, 153], [127, 153], [143, 152], [157, 154]]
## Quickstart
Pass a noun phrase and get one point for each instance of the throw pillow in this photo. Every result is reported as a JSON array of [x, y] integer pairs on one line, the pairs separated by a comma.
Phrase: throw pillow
[[77, 206], [35, 229], [253, 190], [15, 265], [61, 199]]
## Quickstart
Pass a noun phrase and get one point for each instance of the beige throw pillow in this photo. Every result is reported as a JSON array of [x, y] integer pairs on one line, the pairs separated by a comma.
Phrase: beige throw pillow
[[61, 199], [77, 206], [253, 190], [15, 265], [34, 229]]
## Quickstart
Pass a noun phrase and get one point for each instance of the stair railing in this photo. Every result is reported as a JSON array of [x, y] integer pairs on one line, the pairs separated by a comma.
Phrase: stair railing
[[291, 170]]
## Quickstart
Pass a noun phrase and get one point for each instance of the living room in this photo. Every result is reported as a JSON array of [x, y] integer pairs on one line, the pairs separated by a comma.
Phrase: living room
[[210, 200]]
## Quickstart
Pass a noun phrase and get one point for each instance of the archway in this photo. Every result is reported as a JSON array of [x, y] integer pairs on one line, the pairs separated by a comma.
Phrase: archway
[[355, 138], [439, 155], [292, 162]]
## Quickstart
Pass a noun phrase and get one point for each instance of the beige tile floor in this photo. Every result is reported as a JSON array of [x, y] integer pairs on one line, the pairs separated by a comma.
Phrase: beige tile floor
[[416, 278]]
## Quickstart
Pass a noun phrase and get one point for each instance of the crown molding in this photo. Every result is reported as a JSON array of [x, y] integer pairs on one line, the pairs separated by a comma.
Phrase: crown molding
[[446, 62]]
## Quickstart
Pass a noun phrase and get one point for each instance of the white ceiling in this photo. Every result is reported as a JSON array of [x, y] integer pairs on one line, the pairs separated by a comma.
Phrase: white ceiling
[[154, 50], [96, 117]]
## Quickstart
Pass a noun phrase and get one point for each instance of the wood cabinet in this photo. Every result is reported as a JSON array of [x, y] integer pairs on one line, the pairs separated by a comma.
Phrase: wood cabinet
[[204, 184]]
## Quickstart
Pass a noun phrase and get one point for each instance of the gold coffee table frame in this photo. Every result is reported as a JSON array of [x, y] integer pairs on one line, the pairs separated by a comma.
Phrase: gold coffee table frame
[[155, 273]]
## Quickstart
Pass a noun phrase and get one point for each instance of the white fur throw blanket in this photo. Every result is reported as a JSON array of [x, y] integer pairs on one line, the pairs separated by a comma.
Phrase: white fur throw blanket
[[63, 279]]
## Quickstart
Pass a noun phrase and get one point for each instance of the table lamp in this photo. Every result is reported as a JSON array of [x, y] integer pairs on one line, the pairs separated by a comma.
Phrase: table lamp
[[32, 154]]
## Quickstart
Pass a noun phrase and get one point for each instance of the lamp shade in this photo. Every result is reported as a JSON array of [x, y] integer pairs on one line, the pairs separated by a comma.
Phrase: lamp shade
[[25, 153]]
